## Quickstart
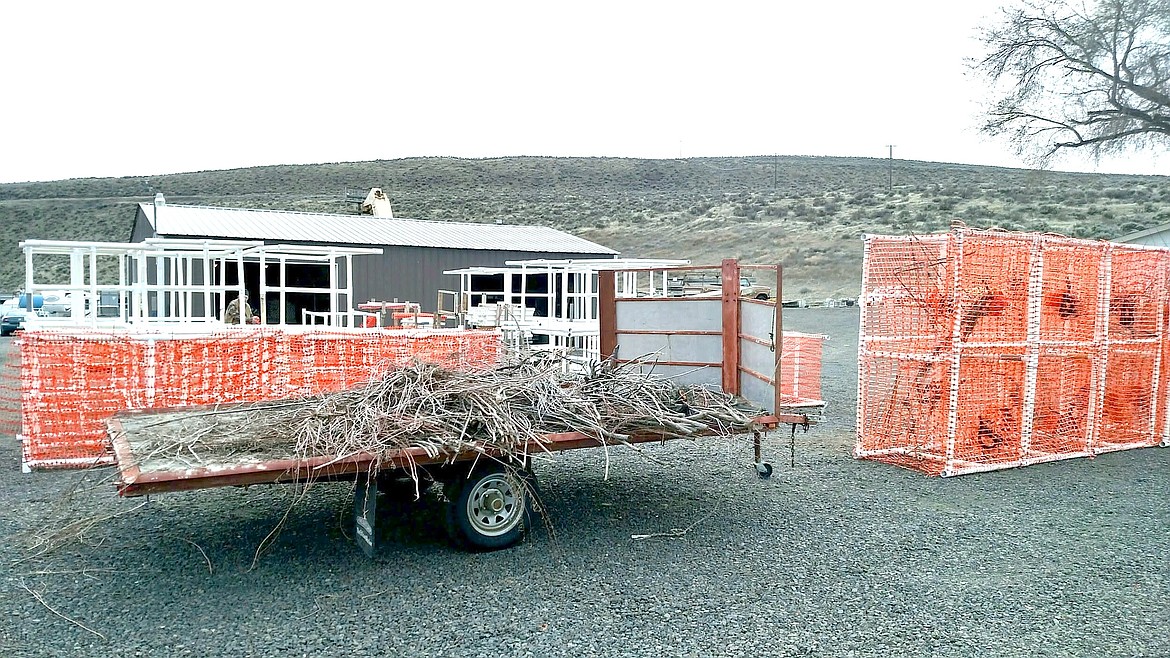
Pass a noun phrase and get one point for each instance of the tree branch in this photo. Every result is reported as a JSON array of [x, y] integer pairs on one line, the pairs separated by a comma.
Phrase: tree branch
[[1098, 75]]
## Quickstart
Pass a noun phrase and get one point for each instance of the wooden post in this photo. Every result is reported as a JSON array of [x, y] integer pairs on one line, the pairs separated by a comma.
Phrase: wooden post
[[607, 313], [730, 326], [778, 334]]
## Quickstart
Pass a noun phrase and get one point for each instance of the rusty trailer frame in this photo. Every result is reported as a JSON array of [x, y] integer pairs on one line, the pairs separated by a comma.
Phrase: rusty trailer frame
[[134, 481]]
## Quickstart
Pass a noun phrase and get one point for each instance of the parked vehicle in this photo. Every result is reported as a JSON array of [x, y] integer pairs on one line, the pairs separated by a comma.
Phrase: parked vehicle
[[15, 313], [53, 304], [12, 320], [21, 301], [711, 285], [749, 288]]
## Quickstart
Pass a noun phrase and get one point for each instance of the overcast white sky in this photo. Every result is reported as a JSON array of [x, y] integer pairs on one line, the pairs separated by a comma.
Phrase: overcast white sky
[[126, 88]]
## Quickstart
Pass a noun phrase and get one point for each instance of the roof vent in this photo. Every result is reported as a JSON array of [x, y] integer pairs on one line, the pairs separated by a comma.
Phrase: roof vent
[[377, 204]]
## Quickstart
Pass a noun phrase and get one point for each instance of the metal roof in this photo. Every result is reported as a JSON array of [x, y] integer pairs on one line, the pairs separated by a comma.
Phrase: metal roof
[[574, 265], [249, 224], [1158, 236]]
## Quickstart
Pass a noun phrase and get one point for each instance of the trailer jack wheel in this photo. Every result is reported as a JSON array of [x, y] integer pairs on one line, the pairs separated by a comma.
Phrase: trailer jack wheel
[[763, 468], [489, 509]]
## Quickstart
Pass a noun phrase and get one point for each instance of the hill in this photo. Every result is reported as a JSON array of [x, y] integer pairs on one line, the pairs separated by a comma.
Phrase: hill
[[808, 213]]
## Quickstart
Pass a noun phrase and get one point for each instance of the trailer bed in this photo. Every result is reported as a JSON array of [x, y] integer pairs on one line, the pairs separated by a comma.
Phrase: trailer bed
[[202, 447]]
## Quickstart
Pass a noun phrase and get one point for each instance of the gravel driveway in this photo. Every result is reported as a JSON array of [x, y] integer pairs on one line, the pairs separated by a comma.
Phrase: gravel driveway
[[831, 557]]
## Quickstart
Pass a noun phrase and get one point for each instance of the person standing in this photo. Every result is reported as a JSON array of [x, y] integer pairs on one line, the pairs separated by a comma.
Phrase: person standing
[[231, 314]]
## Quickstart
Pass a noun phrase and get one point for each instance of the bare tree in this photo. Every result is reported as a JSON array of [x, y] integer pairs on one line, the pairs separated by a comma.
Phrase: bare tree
[[1073, 75]]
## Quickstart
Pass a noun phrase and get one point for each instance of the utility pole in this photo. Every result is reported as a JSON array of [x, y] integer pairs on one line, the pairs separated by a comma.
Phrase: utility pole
[[775, 162], [891, 147]]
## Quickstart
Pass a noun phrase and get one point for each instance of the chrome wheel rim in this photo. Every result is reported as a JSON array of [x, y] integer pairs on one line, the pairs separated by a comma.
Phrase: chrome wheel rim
[[495, 505]]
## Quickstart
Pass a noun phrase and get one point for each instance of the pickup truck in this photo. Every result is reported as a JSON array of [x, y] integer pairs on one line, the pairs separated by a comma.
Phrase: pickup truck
[[708, 286], [748, 288]]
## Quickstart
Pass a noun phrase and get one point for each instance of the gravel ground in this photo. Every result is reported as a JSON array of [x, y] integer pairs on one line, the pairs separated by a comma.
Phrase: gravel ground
[[831, 557]]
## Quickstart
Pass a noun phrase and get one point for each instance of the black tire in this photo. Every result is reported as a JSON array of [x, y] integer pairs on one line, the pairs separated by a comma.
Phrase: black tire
[[490, 509], [762, 296]]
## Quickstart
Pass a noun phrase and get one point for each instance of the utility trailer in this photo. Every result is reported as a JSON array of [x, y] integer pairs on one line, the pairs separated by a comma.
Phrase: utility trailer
[[488, 497], [729, 342]]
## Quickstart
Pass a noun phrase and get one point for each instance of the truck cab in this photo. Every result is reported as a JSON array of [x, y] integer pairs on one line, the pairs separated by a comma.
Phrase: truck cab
[[749, 288]]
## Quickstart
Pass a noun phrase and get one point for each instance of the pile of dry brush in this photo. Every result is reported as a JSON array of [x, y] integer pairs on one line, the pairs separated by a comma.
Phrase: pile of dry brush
[[506, 411]]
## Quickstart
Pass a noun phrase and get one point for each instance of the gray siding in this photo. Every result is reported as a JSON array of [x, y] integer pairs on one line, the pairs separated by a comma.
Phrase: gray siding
[[142, 228], [406, 273], [416, 273]]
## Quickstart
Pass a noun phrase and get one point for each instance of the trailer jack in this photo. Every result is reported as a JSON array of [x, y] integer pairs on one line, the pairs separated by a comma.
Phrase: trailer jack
[[763, 468]]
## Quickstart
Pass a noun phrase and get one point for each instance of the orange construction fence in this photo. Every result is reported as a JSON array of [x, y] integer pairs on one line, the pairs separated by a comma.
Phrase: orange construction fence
[[67, 384], [982, 350], [800, 368]]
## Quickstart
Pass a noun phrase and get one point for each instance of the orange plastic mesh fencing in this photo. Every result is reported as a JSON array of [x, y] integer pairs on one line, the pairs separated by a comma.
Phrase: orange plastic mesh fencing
[[991, 295], [1128, 406], [224, 368], [800, 368], [911, 295], [341, 360], [1064, 398], [1137, 294], [1071, 293], [69, 387], [1134, 390], [10, 387], [904, 415], [991, 395], [1058, 345], [71, 383], [337, 361]]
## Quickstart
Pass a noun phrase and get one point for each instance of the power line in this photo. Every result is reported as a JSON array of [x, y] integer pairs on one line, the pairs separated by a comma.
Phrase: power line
[[890, 146]]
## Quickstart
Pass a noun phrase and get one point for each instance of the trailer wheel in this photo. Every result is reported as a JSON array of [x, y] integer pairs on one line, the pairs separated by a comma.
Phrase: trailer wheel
[[489, 510]]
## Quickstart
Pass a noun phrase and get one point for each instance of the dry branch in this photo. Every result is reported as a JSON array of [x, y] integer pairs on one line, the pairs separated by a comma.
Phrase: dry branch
[[501, 413], [40, 599]]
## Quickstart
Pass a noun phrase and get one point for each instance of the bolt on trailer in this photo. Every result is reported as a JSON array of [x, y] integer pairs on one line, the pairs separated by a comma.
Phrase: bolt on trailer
[[730, 344]]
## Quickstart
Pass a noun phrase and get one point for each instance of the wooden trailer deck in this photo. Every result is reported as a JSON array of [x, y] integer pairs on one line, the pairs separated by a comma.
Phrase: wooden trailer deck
[[189, 448]]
